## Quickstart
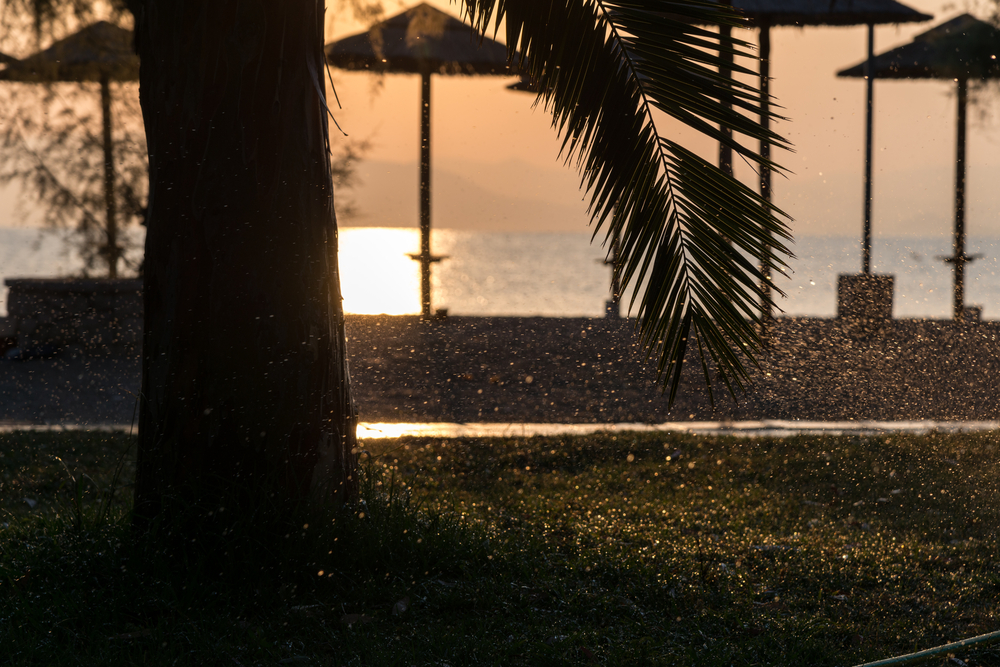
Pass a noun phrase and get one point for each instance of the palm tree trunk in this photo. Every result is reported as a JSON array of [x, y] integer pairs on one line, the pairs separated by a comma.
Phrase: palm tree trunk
[[245, 386]]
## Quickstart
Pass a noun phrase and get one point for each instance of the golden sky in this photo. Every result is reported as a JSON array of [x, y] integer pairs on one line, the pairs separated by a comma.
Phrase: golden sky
[[496, 167], [495, 160]]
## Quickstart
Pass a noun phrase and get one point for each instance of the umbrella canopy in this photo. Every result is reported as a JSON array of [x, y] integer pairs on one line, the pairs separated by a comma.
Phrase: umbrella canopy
[[962, 48], [422, 40], [101, 52], [827, 12], [958, 50]]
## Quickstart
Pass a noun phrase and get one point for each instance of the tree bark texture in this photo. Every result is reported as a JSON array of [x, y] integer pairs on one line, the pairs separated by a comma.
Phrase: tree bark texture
[[245, 383]]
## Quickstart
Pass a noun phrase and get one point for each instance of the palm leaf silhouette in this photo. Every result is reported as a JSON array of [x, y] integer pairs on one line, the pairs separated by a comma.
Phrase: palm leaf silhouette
[[697, 240]]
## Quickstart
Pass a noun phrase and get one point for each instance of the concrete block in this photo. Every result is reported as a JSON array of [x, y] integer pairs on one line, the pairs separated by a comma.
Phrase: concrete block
[[26, 326]]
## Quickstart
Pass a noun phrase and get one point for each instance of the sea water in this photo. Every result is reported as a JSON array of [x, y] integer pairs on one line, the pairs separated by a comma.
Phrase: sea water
[[564, 275]]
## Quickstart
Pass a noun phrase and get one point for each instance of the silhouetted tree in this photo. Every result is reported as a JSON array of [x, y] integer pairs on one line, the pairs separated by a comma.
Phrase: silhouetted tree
[[53, 151], [51, 141], [51, 147]]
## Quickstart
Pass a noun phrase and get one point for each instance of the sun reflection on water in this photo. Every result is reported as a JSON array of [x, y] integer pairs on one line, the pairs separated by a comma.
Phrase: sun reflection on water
[[377, 276], [485, 273]]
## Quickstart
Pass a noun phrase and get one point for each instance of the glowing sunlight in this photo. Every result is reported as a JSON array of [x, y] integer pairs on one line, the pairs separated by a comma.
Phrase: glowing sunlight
[[377, 277]]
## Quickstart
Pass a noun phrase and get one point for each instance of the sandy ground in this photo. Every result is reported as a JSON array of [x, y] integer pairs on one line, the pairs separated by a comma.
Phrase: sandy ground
[[510, 370]]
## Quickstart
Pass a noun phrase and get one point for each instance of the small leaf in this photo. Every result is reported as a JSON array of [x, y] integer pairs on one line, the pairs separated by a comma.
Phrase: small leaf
[[401, 607], [351, 619], [144, 632]]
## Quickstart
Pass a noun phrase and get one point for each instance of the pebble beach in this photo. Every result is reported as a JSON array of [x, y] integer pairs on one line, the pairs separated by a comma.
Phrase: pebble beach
[[585, 370]]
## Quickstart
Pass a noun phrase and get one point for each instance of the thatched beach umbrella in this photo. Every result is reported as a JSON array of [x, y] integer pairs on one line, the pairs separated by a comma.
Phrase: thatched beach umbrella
[[421, 40], [767, 13], [101, 52], [961, 49]]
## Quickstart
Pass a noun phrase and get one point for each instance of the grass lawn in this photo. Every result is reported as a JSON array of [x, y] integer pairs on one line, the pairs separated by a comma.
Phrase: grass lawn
[[606, 549]]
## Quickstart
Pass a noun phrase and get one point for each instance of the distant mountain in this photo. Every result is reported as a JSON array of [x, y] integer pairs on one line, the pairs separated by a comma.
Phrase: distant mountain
[[462, 197]]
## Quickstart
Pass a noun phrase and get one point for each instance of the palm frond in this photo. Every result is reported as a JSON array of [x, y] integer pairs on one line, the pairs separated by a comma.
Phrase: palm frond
[[698, 239]]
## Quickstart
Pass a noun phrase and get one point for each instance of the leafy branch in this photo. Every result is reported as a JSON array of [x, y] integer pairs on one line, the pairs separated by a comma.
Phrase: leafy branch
[[697, 241]]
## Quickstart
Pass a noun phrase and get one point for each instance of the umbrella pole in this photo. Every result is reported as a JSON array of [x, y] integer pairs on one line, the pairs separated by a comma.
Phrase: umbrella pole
[[866, 242], [112, 250], [765, 154], [726, 72], [425, 195], [960, 257], [612, 307]]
